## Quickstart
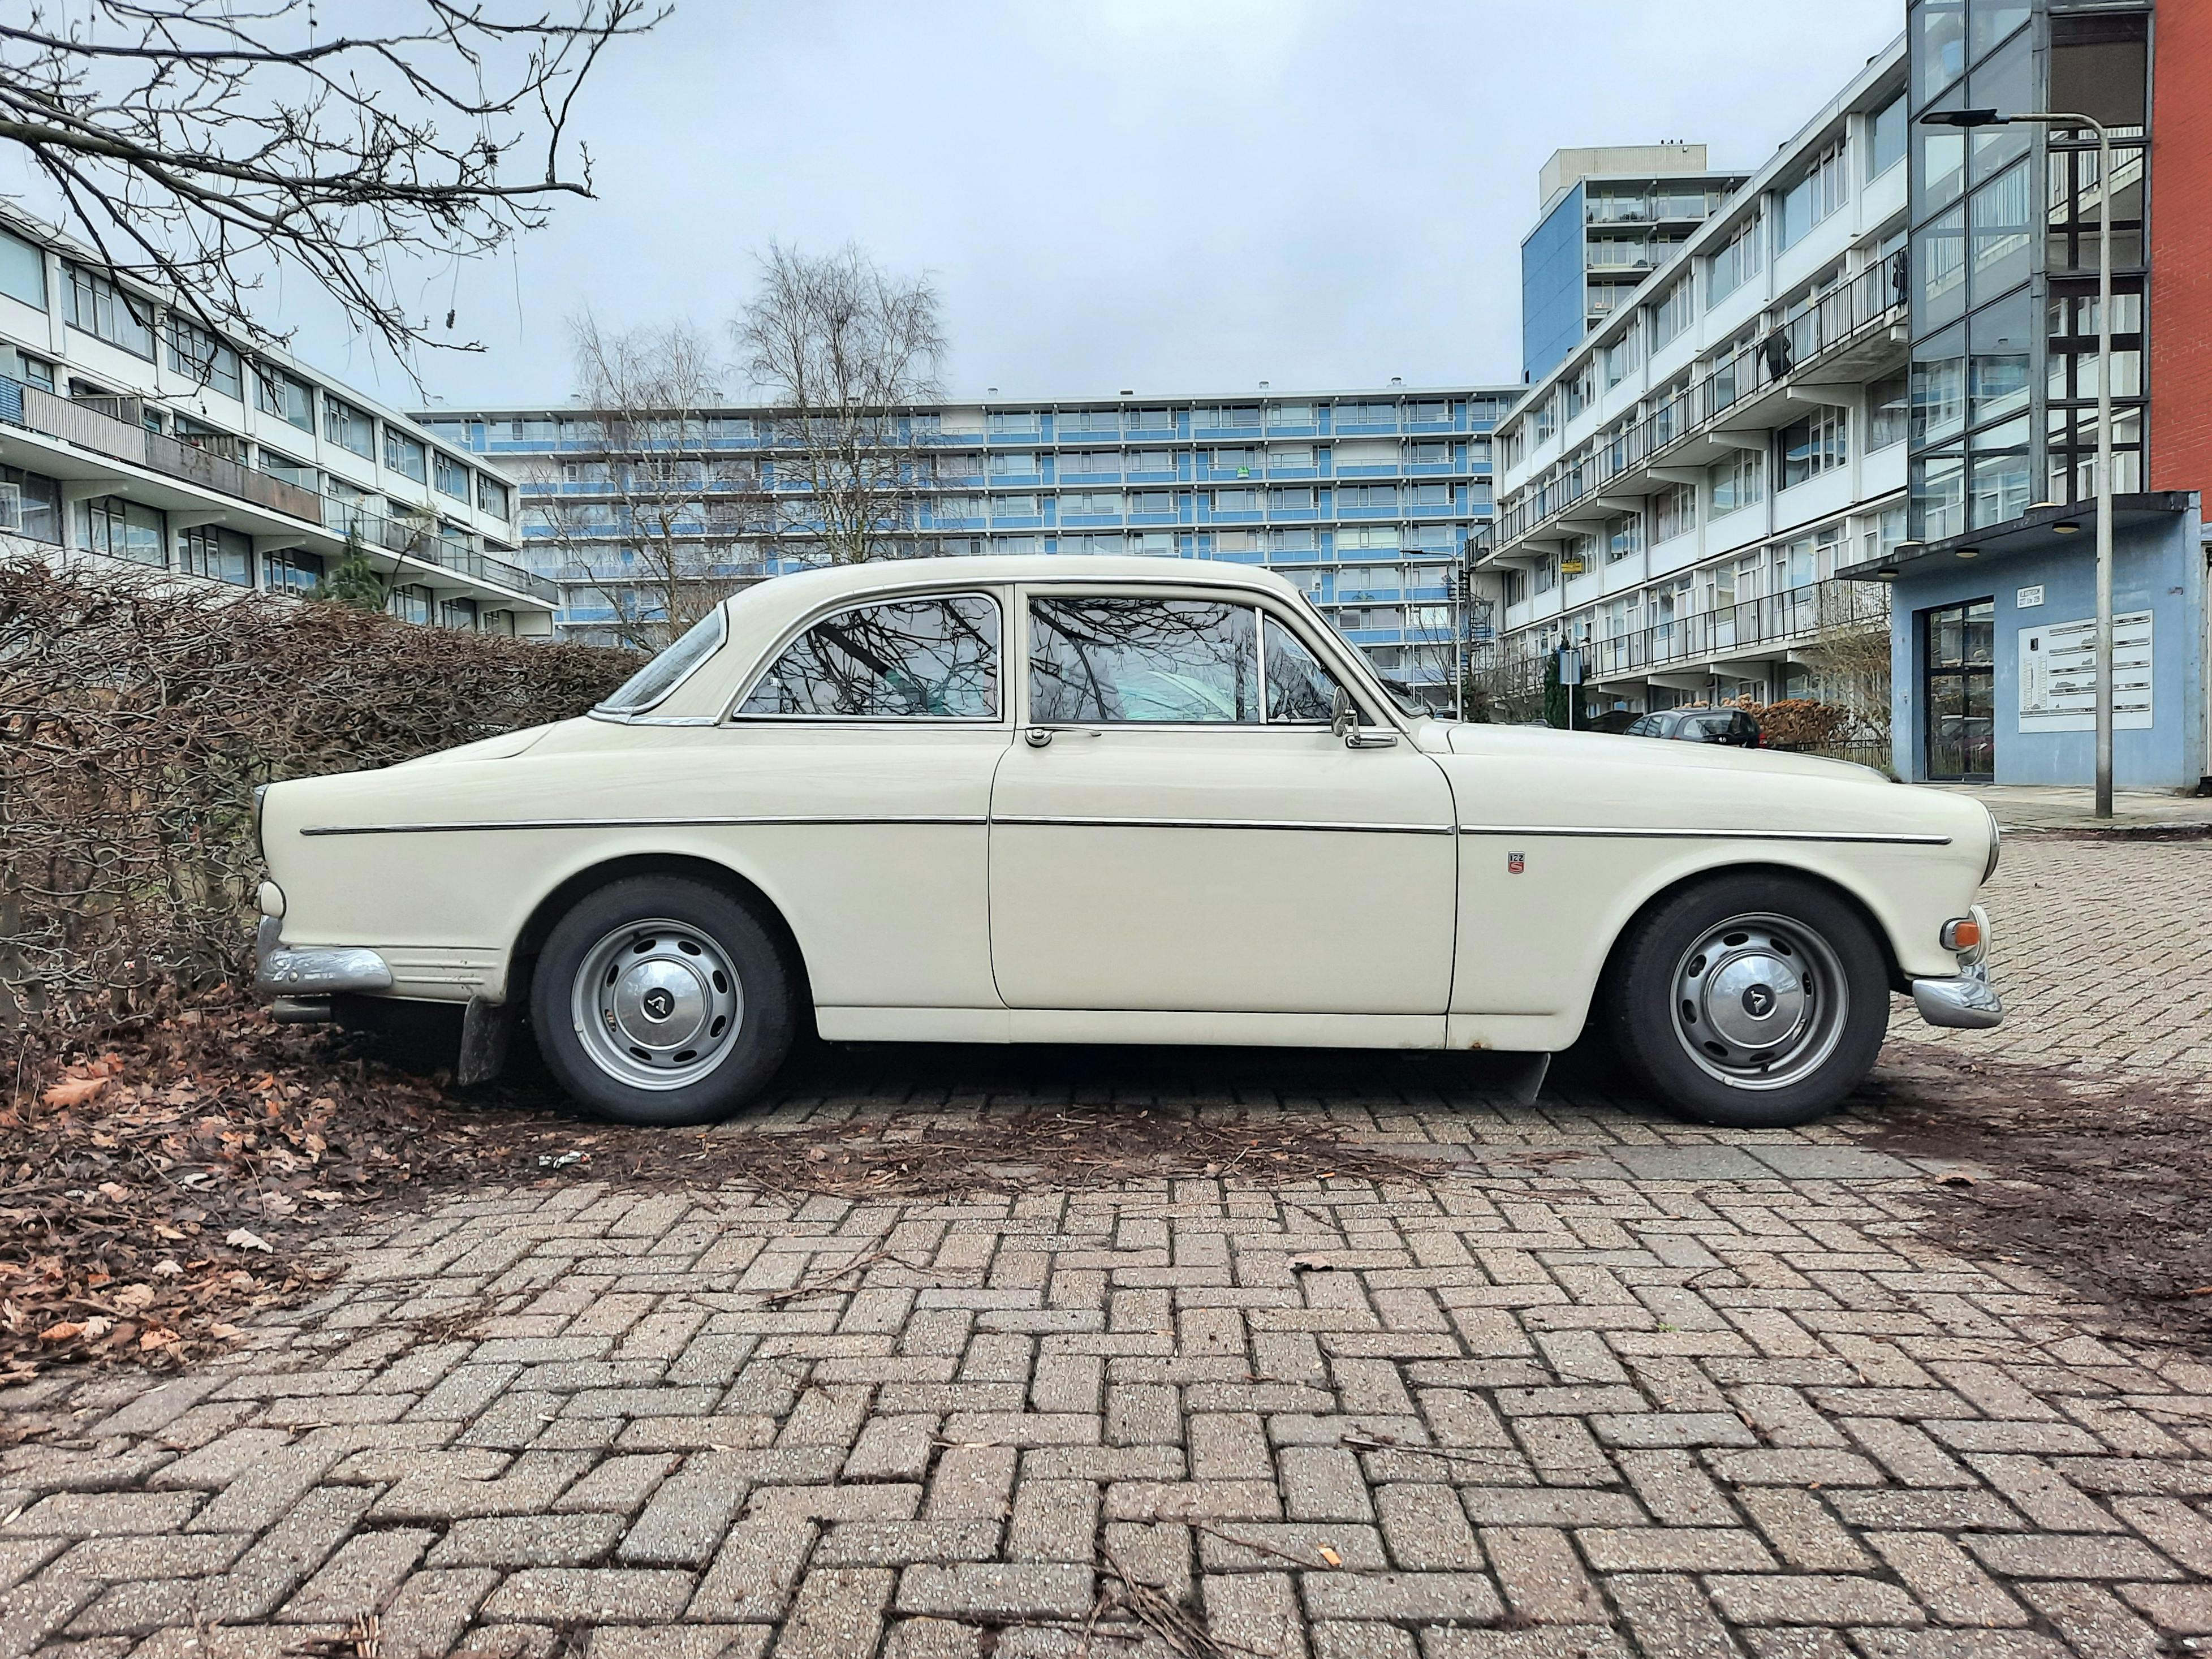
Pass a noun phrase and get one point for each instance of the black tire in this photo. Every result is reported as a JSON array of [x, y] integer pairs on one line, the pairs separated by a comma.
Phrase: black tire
[[1678, 1022], [726, 945]]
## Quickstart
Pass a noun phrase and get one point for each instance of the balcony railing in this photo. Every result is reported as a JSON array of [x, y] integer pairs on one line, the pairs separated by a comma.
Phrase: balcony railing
[[1794, 344], [420, 538], [87, 424]]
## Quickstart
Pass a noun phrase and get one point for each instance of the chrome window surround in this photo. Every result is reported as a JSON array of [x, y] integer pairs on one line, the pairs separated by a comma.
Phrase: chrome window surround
[[733, 712], [635, 717]]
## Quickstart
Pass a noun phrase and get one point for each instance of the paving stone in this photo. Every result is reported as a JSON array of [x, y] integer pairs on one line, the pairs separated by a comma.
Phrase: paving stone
[[527, 1541], [996, 1591], [360, 1578], [838, 1613]]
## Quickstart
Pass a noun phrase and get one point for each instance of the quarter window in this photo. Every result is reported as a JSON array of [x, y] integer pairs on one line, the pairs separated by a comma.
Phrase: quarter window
[[927, 658], [1131, 659], [1298, 688]]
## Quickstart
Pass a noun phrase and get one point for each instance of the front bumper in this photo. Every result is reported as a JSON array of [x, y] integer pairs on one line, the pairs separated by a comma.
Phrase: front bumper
[[1969, 1002], [298, 976]]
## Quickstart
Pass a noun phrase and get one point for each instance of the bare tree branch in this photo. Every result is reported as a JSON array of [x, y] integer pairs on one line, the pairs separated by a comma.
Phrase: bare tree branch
[[203, 145], [651, 513], [841, 350]]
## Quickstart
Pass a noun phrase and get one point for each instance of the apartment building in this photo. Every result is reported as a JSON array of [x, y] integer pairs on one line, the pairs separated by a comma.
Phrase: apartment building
[[1992, 595], [1366, 498], [1677, 494], [1608, 218], [131, 434]]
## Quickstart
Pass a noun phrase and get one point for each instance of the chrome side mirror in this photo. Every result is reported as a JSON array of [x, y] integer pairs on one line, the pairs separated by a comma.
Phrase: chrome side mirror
[[1344, 722]]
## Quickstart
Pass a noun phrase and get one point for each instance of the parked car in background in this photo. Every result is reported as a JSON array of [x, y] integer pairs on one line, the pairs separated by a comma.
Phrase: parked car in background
[[1047, 800], [1732, 726]]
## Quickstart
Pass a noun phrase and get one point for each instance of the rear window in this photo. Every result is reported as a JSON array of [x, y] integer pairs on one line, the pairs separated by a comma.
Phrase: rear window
[[654, 682]]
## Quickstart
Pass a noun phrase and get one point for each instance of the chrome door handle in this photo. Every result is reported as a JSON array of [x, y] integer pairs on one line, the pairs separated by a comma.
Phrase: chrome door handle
[[1036, 736]]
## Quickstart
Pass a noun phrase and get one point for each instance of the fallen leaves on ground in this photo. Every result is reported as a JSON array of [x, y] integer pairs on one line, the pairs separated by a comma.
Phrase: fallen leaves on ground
[[161, 1182], [2102, 1180]]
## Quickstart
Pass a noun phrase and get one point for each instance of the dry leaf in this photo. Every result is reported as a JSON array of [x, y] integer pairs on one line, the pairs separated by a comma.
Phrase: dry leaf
[[66, 1331], [134, 1297], [245, 1240], [73, 1091], [1331, 1556]]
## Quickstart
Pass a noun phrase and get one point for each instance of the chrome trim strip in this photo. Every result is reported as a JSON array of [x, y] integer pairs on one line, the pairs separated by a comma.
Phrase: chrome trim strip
[[1333, 826], [765, 822], [1703, 834], [650, 719]]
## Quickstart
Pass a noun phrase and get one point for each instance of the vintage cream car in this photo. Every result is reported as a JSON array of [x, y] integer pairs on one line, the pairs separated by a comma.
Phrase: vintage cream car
[[1053, 799]]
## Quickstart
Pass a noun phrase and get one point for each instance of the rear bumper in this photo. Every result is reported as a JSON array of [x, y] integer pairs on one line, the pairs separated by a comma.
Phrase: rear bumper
[[289, 972]]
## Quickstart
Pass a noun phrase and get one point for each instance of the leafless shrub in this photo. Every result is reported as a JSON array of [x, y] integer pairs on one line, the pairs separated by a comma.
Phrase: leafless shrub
[[138, 715]]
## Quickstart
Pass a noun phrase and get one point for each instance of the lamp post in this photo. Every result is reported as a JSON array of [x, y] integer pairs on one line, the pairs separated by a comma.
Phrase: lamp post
[[1990, 117]]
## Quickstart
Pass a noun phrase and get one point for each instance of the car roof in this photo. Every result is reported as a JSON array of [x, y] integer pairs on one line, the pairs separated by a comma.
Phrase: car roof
[[804, 590]]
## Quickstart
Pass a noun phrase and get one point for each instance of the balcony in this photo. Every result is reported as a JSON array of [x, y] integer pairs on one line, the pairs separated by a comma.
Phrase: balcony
[[114, 427], [1828, 335], [1752, 630]]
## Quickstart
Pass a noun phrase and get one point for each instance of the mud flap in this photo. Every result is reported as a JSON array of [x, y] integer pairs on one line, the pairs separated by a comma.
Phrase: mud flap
[[487, 1028], [1527, 1080]]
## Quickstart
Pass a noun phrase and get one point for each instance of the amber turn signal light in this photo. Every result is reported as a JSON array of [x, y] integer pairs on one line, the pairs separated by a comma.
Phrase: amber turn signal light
[[1964, 934]]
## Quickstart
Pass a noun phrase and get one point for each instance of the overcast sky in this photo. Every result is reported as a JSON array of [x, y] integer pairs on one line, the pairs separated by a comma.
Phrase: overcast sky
[[1167, 195]]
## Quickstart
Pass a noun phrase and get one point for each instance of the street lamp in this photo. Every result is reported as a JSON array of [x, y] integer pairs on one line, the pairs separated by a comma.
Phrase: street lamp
[[1990, 117]]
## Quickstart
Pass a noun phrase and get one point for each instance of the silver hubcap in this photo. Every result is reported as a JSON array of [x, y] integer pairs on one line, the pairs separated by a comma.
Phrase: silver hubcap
[[1760, 1001], [657, 1005]]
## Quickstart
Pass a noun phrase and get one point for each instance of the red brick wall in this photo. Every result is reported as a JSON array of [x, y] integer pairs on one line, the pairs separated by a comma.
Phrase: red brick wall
[[2180, 321]]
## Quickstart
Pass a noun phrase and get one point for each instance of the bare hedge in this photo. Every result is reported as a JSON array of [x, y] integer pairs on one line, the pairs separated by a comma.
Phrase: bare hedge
[[137, 716]]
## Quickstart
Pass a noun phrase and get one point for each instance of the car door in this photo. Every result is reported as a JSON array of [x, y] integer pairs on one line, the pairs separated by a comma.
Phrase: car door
[[857, 776], [1178, 829]]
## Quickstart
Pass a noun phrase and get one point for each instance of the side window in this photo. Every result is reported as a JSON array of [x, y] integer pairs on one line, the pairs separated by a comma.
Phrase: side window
[[931, 659], [1132, 659], [1644, 726], [1298, 688]]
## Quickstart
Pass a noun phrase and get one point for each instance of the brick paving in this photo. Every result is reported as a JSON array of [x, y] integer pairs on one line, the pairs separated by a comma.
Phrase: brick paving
[[1584, 1382]]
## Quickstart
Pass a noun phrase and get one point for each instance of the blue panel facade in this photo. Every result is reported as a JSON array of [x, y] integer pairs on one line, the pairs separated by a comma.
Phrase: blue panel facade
[[2158, 567], [1552, 288]]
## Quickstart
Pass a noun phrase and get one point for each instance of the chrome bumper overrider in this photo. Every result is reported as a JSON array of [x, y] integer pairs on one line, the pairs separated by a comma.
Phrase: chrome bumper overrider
[[1968, 1002], [288, 972]]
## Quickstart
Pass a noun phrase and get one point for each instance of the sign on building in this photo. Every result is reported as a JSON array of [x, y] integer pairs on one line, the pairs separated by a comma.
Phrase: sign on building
[[2058, 674]]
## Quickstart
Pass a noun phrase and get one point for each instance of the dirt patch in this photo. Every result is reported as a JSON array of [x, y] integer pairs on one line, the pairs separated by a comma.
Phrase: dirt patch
[[2104, 1183], [163, 1179]]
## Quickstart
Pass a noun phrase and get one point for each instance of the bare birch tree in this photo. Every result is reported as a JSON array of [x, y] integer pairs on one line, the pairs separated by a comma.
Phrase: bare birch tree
[[206, 145], [839, 350], [652, 512], [1850, 656]]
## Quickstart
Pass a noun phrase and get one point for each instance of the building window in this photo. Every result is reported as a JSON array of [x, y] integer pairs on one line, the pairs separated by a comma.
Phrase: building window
[[1547, 572], [279, 394], [1624, 535], [1366, 497], [1738, 482], [1814, 445], [1241, 462], [1078, 462], [1673, 314], [292, 571], [1014, 506], [1290, 500], [1885, 137], [1737, 261], [1822, 189], [1297, 458], [452, 479], [1236, 500], [411, 603], [124, 530], [492, 498], [458, 614], [220, 555], [1674, 512], [30, 505], [99, 308], [1889, 407], [405, 456], [1014, 420], [1229, 417], [1012, 464], [23, 269], [208, 361], [349, 428], [1291, 414], [1095, 501], [1087, 419]]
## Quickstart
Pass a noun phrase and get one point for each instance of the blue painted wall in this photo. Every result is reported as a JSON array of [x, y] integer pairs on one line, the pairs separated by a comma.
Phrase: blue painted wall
[[1551, 291], [2158, 567]]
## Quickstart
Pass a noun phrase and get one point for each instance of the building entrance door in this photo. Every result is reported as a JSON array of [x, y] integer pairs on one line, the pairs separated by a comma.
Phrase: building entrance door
[[1959, 692]]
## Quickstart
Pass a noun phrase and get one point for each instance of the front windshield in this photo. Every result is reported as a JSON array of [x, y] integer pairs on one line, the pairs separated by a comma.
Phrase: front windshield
[[667, 671]]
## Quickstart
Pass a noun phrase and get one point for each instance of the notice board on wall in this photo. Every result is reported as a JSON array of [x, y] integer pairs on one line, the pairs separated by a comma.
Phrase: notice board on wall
[[2058, 674]]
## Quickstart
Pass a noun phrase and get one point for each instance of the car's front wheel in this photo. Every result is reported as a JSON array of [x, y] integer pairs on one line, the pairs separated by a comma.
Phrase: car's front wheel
[[1754, 1002], [661, 1001]]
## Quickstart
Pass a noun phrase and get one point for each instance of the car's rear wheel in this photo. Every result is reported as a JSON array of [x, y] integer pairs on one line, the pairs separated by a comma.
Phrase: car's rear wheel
[[661, 1001], [1757, 1001]]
